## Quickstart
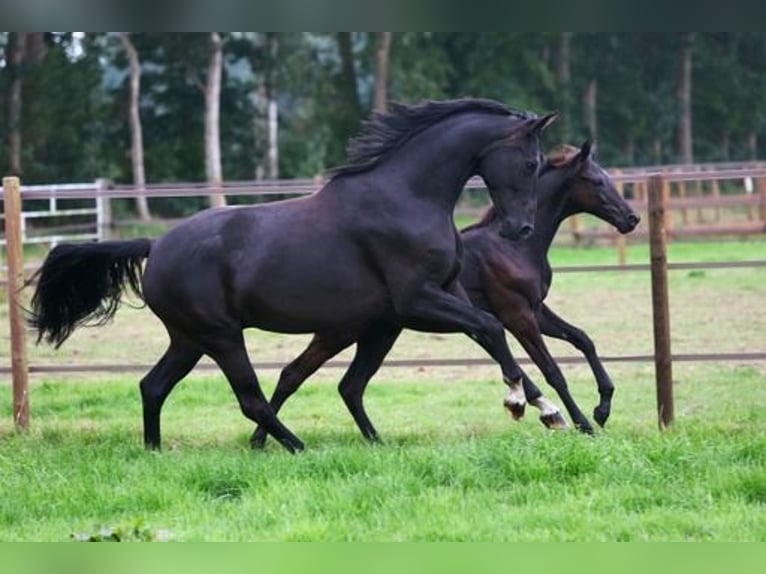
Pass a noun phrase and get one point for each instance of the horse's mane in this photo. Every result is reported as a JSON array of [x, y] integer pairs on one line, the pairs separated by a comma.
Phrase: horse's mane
[[384, 132], [556, 158]]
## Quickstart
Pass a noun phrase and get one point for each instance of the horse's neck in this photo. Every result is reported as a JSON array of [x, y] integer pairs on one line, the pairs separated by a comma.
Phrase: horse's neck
[[552, 209], [437, 163]]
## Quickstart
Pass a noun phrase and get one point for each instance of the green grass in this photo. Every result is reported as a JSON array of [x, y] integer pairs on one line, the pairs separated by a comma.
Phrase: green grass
[[453, 466]]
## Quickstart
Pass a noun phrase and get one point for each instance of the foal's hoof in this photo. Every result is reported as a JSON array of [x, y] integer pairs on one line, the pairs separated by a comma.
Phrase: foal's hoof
[[515, 409], [585, 428], [601, 415], [555, 421]]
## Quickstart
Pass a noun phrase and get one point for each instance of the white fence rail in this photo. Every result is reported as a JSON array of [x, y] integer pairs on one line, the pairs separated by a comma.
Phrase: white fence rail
[[59, 198]]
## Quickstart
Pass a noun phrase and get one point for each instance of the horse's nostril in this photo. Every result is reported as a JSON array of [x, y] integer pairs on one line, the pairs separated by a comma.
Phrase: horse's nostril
[[633, 219], [526, 231]]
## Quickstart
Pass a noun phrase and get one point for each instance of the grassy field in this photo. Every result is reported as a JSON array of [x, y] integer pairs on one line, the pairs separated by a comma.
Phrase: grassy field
[[453, 466]]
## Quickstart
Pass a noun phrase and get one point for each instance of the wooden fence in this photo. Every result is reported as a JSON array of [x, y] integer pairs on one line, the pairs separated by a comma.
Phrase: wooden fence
[[652, 194]]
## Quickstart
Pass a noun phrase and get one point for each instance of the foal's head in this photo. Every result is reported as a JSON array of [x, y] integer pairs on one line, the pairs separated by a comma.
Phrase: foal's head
[[588, 188]]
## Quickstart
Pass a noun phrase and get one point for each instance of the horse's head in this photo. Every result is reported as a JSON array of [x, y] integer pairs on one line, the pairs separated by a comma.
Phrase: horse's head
[[509, 167], [592, 191]]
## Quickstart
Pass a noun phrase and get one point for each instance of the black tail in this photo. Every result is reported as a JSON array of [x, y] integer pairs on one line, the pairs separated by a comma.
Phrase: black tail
[[83, 284]]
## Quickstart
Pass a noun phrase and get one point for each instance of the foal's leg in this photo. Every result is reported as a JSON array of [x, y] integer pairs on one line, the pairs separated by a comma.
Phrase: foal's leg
[[228, 350], [550, 415], [371, 349], [174, 365], [320, 350], [450, 312], [522, 322], [554, 326]]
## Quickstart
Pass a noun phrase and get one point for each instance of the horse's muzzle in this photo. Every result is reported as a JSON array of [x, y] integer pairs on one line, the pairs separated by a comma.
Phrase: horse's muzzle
[[629, 223]]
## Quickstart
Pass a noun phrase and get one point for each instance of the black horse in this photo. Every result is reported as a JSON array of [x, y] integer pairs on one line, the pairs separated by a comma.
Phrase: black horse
[[376, 246], [510, 279]]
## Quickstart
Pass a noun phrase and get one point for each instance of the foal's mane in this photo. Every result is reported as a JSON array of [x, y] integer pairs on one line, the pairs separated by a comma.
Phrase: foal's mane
[[384, 132], [556, 158]]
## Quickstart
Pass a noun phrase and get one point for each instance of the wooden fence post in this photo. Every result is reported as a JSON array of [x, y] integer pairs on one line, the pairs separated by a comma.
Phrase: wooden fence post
[[14, 251], [660, 306], [575, 228], [761, 188]]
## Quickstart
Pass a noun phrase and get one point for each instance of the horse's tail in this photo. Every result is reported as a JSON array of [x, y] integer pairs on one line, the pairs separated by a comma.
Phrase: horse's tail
[[83, 284]]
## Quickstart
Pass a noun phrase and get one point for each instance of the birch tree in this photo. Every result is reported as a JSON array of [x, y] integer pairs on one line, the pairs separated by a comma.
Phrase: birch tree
[[136, 133], [213, 168], [381, 71]]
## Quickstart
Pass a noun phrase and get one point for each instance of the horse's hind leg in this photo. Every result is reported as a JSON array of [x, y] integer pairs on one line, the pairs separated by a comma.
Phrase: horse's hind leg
[[229, 352], [371, 350], [320, 350], [174, 365]]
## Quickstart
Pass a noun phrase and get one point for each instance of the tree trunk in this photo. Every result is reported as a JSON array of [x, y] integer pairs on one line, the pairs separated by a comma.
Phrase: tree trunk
[[36, 48], [563, 77], [629, 150], [348, 72], [136, 134], [213, 169], [589, 108], [273, 111], [381, 71], [724, 143], [684, 98], [752, 145], [15, 58]]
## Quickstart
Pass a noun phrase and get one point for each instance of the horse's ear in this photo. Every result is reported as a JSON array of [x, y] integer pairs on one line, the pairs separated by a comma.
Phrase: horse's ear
[[540, 124], [579, 159]]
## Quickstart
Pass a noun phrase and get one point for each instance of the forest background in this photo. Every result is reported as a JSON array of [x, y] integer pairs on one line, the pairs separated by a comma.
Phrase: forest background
[[158, 107]]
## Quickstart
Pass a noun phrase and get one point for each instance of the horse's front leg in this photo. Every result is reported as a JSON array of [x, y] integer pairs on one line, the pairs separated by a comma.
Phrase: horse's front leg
[[445, 311], [554, 326], [550, 415], [525, 328]]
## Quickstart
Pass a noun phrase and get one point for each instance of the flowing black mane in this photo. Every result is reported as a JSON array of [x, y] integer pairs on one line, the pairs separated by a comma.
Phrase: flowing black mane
[[384, 132]]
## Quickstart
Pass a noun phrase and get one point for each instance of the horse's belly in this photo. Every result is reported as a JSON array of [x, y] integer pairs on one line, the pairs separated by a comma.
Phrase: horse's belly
[[311, 309]]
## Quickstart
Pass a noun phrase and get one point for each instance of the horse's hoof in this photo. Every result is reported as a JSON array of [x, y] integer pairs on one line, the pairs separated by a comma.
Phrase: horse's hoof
[[292, 445], [555, 421], [601, 416], [586, 428], [258, 443], [258, 439], [516, 410]]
